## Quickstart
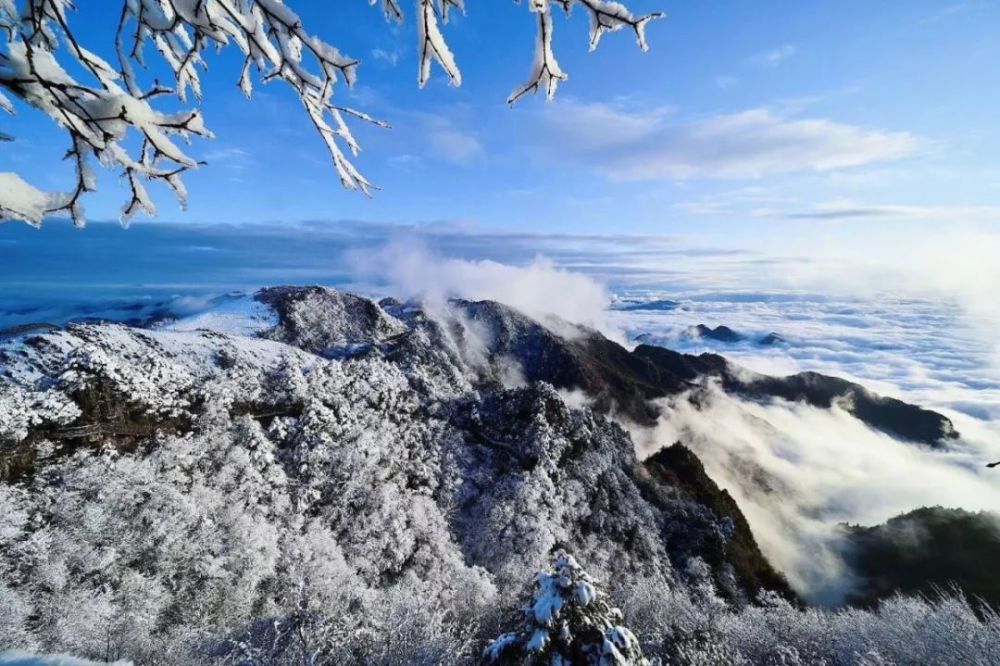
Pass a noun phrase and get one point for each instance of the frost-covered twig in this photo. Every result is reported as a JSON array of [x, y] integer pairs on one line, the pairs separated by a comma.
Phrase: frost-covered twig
[[96, 117], [605, 16], [100, 115]]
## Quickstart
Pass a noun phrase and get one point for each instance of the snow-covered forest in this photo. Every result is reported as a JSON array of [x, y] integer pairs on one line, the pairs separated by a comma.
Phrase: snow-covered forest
[[311, 477]]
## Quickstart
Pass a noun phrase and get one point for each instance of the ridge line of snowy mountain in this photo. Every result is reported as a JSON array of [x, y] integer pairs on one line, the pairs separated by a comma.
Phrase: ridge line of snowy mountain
[[309, 453]]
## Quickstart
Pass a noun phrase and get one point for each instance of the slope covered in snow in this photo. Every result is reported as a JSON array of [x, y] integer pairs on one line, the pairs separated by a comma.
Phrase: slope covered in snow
[[374, 483]]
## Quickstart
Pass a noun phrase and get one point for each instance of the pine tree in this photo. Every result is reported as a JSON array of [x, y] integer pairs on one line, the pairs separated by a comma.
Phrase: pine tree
[[568, 621]]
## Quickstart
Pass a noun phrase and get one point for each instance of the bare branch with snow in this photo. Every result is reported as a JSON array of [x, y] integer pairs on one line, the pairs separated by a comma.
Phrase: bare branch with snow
[[102, 114]]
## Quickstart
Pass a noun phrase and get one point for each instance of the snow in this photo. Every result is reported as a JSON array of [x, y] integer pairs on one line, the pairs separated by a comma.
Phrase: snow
[[263, 442], [433, 46], [584, 593], [21, 410], [569, 619], [496, 647], [20, 200], [20, 658], [241, 316], [538, 641], [605, 16], [548, 601]]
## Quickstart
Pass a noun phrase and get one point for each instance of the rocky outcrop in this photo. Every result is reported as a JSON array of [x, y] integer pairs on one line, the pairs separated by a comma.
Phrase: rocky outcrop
[[737, 553]]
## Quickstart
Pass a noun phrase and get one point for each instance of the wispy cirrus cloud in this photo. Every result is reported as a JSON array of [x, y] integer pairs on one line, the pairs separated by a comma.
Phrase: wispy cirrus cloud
[[648, 145], [439, 136], [726, 81], [455, 145], [231, 157], [956, 9], [851, 210], [773, 57], [390, 57]]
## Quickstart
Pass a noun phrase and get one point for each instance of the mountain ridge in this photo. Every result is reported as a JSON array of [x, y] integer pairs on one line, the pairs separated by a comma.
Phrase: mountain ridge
[[406, 465], [616, 378]]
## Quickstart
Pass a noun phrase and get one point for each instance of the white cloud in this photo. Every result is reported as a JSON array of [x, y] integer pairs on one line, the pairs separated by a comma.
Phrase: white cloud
[[456, 146], [597, 127], [700, 207], [945, 253], [774, 56], [846, 209], [645, 145], [798, 471], [231, 157], [725, 81], [390, 57], [448, 141], [405, 161], [956, 9], [448, 134], [539, 289]]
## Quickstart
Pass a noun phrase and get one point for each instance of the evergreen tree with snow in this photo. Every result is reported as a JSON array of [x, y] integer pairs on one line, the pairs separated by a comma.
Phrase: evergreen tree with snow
[[568, 621]]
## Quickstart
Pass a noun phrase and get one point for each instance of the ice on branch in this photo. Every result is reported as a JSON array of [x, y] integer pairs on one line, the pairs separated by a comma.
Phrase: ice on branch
[[109, 114], [23, 201], [605, 17]]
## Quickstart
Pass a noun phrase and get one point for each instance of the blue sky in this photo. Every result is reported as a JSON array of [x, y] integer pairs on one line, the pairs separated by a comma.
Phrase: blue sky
[[744, 118]]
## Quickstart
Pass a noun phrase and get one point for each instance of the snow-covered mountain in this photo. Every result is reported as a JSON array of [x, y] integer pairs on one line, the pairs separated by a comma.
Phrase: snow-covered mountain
[[379, 482]]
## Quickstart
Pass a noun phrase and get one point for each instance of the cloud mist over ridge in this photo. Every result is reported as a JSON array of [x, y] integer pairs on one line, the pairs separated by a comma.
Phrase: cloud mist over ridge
[[539, 289], [798, 471]]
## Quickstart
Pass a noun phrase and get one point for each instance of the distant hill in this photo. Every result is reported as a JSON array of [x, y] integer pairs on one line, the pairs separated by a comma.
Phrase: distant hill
[[926, 551], [648, 305], [719, 333]]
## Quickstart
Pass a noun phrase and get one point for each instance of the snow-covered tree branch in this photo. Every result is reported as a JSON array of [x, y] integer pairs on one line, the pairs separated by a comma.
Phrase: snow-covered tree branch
[[111, 118]]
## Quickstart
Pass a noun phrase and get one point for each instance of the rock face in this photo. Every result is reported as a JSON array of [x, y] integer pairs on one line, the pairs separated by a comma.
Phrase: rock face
[[889, 415], [772, 340], [677, 467], [326, 321], [617, 379]]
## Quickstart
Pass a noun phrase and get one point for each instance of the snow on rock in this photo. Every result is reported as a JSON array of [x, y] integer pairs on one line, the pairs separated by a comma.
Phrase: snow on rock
[[242, 315], [21, 410], [261, 467], [411, 462], [327, 321]]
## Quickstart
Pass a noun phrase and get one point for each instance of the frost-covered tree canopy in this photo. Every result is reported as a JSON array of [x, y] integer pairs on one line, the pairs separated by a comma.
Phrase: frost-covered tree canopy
[[103, 105], [569, 621]]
